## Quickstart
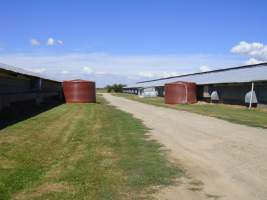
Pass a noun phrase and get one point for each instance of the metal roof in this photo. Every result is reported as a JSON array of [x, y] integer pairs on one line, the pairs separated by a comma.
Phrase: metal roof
[[241, 74], [24, 72]]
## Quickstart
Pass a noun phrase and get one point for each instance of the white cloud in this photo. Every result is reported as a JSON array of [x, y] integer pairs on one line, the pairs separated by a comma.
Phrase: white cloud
[[146, 74], [35, 42], [50, 42], [204, 68], [60, 42], [101, 73], [87, 70], [110, 68], [65, 72], [37, 70], [254, 50], [157, 74], [253, 61]]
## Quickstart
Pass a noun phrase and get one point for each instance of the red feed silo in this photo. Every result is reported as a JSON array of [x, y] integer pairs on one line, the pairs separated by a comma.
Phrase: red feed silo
[[79, 91], [180, 93]]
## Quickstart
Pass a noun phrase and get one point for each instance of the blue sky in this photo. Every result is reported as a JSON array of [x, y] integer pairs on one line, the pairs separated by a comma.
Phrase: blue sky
[[126, 41]]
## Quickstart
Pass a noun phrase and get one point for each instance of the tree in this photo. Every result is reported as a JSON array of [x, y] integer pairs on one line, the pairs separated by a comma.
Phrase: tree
[[117, 88]]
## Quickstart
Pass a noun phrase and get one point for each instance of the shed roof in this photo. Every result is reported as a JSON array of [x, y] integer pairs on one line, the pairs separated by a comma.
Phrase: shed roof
[[241, 74], [17, 70]]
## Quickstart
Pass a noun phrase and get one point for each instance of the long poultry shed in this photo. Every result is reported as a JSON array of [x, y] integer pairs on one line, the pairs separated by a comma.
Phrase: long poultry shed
[[231, 84], [18, 85]]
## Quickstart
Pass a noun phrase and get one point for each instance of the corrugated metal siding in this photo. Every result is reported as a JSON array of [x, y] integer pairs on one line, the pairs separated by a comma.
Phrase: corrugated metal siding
[[48, 86], [231, 94], [261, 91], [8, 85]]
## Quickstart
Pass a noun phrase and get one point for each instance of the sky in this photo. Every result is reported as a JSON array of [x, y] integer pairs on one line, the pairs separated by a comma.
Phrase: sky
[[124, 41]]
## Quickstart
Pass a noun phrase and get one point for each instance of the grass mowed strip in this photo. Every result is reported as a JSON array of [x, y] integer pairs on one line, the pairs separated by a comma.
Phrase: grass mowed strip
[[81, 151], [239, 115]]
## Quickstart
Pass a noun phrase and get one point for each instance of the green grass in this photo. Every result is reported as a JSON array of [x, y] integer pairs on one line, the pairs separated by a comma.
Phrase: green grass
[[239, 115], [101, 90], [81, 151]]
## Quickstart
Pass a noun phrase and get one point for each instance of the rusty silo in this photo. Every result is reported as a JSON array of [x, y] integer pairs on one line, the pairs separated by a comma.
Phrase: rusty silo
[[180, 93], [79, 91]]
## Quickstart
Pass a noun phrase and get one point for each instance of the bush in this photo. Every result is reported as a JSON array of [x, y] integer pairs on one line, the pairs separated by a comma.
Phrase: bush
[[117, 88]]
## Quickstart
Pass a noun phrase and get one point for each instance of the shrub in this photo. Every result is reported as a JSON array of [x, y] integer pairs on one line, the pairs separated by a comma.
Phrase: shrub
[[117, 88]]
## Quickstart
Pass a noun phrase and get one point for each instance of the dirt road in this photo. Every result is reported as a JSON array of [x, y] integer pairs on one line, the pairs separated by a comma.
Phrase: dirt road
[[229, 159]]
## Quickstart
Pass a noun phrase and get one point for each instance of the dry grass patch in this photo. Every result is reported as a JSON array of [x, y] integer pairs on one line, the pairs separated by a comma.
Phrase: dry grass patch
[[7, 163], [8, 139], [45, 189]]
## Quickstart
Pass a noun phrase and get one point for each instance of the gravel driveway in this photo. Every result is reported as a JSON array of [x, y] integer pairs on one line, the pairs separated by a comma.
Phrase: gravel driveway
[[229, 159]]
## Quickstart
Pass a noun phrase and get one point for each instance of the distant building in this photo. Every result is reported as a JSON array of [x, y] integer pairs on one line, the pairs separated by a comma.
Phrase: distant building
[[230, 85]]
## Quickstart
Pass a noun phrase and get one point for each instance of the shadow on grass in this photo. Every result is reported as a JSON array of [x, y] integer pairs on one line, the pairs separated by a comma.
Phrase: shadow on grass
[[23, 110]]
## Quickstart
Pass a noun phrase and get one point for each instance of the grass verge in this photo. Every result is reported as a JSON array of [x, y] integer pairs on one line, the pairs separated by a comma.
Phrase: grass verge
[[101, 90], [81, 151], [239, 115]]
